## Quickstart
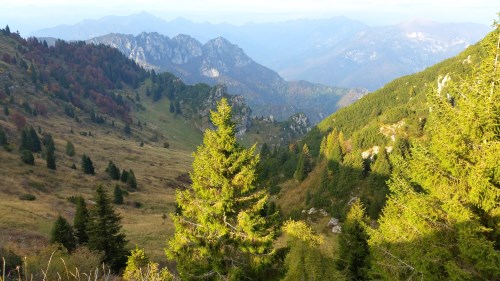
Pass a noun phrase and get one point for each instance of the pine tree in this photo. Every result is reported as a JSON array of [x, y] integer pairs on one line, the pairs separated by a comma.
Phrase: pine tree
[[62, 233], [80, 221], [304, 165], [219, 232], [118, 195], [34, 141], [3, 137], [113, 171], [87, 165], [131, 181], [441, 221], [124, 176], [305, 261], [51, 159], [354, 253], [104, 231]]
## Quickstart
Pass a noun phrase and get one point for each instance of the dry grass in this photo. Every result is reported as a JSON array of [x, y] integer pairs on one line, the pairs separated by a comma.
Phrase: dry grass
[[155, 167]]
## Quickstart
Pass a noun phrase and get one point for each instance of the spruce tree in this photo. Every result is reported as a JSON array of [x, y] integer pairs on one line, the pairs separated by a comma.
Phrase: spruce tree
[[131, 181], [80, 221], [118, 195], [87, 165], [104, 231], [51, 159], [62, 233], [304, 165], [34, 141], [3, 138], [441, 220], [113, 171], [354, 253], [124, 176], [219, 232]]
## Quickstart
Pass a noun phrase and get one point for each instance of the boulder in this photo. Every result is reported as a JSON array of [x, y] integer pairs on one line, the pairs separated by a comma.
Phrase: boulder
[[333, 222], [337, 229]]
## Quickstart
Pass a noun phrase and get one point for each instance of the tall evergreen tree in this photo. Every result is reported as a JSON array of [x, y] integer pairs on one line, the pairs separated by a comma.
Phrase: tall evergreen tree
[[104, 231], [441, 221], [62, 233], [113, 171], [219, 232], [305, 261], [3, 138], [34, 141], [51, 159], [304, 165], [87, 165], [131, 181], [118, 195], [80, 221], [354, 254]]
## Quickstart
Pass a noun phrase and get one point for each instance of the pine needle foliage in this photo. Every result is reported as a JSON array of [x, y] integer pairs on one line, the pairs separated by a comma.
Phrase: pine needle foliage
[[442, 220], [219, 232]]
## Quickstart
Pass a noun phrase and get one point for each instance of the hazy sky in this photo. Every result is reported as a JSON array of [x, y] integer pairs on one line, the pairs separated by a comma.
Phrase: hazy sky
[[30, 15]]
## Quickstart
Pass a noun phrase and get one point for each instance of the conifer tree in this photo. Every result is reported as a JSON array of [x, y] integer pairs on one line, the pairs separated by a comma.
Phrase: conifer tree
[[354, 254], [62, 233], [118, 195], [305, 261], [104, 231], [113, 171], [87, 165], [219, 232], [51, 159], [124, 176], [304, 165], [131, 181], [3, 137], [441, 221], [80, 221], [34, 141]]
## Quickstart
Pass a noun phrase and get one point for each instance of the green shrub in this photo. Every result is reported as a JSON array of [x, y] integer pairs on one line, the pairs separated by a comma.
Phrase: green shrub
[[27, 197]]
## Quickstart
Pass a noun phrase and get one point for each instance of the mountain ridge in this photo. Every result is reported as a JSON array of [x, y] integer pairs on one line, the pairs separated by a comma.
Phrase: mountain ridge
[[326, 51], [219, 61]]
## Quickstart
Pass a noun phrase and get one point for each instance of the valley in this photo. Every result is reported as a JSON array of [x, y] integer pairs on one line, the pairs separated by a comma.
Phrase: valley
[[186, 160]]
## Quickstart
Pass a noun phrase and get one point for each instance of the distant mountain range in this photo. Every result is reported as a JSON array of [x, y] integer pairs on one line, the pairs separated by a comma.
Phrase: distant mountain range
[[220, 62], [336, 51]]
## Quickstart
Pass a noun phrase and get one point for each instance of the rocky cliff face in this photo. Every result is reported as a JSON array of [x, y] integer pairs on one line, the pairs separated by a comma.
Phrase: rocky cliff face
[[220, 62]]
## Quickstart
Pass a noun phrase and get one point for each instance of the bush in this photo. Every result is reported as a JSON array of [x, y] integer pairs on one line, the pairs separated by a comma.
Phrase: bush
[[27, 197], [274, 189], [81, 262], [27, 157]]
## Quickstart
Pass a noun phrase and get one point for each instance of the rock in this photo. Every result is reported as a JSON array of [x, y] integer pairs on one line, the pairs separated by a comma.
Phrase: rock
[[333, 222], [312, 211], [323, 212], [337, 229]]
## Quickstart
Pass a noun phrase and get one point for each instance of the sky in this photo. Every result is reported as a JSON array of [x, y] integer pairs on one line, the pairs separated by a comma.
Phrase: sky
[[30, 15]]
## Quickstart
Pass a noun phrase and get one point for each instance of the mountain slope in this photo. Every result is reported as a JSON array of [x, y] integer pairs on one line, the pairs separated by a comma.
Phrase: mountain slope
[[336, 51], [109, 109], [220, 62], [354, 147]]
